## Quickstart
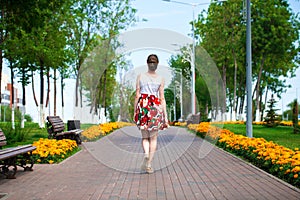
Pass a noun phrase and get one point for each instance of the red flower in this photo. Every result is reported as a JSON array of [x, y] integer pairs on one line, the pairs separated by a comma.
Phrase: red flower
[[144, 96], [144, 119], [153, 112], [152, 98]]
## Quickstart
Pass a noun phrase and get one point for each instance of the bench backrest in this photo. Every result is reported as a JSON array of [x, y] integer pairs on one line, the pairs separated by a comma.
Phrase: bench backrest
[[55, 124], [2, 139]]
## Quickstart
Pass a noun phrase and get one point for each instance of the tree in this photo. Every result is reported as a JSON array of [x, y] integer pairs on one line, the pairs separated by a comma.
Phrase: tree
[[182, 69], [275, 30], [58, 36], [35, 40], [220, 32], [272, 119], [274, 34], [288, 114]]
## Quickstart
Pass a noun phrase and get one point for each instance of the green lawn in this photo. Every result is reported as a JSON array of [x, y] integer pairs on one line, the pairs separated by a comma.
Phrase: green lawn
[[282, 135], [32, 132]]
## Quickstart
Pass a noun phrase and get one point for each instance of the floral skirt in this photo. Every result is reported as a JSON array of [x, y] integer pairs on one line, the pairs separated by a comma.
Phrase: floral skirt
[[149, 114]]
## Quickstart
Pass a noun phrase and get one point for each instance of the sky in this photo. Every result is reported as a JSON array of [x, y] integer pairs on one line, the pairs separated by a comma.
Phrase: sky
[[168, 17]]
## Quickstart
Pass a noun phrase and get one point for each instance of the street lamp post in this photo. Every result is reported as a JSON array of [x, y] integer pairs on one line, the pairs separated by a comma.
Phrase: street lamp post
[[180, 95], [193, 56], [249, 129], [174, 107], [181, 99]]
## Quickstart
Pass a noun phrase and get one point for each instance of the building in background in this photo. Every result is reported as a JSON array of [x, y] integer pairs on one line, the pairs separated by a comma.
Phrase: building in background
[[6, 94]]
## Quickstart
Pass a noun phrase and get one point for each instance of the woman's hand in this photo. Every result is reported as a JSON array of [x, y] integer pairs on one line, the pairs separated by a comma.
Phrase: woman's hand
[[134, 114]]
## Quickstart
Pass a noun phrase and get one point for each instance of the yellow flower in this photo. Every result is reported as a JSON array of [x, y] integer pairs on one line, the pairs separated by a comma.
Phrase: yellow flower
[[296, 169], [103, 129], [295, 175], [52, 147]]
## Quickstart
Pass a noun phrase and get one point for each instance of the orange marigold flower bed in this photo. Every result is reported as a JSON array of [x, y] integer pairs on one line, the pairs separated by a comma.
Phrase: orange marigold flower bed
[[276, 159]]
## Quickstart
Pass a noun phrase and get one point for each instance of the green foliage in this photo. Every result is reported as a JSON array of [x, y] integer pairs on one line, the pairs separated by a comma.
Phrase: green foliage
[[27, 135], [272, 119], [221, 31], [14, 135], [60, 35], [6, 114], [288, 114], [28, 118]]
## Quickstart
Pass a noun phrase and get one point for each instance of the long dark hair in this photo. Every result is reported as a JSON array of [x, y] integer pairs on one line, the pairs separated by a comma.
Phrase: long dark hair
[[152, 55]]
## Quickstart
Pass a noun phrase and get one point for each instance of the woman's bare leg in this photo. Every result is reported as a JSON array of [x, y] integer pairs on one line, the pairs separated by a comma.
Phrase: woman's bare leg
[[152, 145], [145, 142]]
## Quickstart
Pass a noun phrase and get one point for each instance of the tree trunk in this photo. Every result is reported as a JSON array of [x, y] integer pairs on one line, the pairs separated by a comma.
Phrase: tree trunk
[[23, 99], [80, 91], [224, 93], [42, 124], [12, 97], [48, 88], [260, 106], [234, 87], [104, 91], [257, 118], [62, 96], [266, 95], [218, 100], [1, 58], [1, 63], [121, 101], [33, 91], [54, 100], [76, 91]]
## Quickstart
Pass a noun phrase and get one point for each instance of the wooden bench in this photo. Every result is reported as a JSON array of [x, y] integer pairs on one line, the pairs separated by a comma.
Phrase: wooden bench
[[193, 119], [56, 130], [12, 157]]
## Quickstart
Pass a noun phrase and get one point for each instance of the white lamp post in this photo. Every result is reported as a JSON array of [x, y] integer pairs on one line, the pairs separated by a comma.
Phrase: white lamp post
[[249, 128], [193, 94]]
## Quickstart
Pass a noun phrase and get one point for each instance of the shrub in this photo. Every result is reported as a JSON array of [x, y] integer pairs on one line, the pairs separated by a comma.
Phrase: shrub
[[272, 119], [14, 135]]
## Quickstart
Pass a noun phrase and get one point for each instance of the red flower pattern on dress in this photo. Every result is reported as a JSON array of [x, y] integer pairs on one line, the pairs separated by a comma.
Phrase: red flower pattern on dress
[[149, 113]]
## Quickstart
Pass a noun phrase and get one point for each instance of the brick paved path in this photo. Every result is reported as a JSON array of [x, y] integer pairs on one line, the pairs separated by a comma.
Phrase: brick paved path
[[186, 167]]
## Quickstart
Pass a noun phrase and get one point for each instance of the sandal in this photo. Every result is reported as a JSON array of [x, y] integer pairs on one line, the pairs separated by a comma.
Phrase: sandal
[[149, 170], [144, 164]]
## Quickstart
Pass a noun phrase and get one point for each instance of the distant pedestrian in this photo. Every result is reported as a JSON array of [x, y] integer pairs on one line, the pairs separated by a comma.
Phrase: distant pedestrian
[[150, 112]]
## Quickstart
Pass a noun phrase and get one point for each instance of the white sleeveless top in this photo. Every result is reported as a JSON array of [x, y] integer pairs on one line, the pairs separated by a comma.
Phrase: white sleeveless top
[[150, 85]]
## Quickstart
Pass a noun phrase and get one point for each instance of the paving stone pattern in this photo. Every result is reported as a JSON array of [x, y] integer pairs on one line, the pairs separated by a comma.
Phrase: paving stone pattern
[[186, 167]]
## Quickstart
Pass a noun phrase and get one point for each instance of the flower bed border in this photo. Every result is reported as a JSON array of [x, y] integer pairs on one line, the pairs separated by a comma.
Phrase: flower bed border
[[259, 155]]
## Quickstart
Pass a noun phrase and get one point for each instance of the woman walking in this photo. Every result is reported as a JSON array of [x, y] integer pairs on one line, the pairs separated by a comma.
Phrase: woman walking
[[150, 110]]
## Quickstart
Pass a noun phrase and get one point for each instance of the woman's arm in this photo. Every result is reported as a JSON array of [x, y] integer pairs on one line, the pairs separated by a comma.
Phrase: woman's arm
[[137, 93], [162, 98]]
